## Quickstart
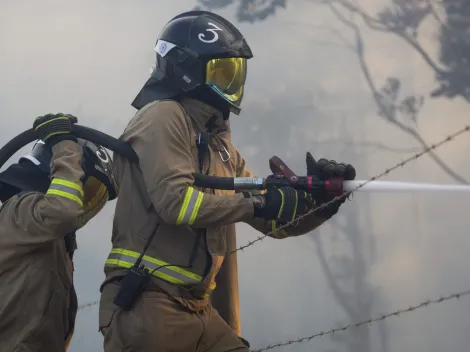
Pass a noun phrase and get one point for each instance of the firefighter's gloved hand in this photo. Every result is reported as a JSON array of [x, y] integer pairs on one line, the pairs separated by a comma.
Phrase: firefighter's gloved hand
[[282, 204], [325, 169], [53, 128]]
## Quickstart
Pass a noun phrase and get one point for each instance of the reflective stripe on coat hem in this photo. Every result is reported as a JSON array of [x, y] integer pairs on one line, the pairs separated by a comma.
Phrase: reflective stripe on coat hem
[[124, 258]]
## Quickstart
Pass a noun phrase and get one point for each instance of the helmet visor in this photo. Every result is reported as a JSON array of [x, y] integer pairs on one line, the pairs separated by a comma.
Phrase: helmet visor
[[227, 77]]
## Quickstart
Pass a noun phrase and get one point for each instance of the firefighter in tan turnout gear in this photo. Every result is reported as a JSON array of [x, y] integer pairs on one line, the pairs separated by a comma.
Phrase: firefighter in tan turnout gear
[[169, 285], [46, 197]]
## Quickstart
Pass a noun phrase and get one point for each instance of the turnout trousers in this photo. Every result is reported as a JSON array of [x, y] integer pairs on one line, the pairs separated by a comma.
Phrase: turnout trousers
[[158, 323]]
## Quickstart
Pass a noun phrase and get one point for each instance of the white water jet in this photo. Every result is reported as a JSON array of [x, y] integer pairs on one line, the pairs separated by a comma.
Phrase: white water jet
[[397, 186]]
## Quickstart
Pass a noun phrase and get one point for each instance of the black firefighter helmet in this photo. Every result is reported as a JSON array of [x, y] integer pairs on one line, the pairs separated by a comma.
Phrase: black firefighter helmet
[[202, 55], [32, 173]]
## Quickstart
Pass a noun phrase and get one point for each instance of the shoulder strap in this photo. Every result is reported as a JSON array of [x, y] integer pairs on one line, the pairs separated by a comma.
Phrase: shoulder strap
[[202, 143]]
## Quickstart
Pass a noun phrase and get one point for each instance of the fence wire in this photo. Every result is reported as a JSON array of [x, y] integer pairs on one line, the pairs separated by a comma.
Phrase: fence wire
[[365, 322], [91, 304], [449, 138]]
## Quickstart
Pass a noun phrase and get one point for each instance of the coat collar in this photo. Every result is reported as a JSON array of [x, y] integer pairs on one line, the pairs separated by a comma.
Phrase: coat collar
[[205, 117]]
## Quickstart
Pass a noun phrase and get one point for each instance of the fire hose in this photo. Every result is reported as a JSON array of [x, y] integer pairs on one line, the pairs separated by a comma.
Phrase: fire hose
[[282, 175]]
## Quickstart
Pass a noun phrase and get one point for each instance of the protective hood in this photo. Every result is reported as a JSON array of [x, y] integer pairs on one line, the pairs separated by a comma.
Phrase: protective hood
[[155, 89]]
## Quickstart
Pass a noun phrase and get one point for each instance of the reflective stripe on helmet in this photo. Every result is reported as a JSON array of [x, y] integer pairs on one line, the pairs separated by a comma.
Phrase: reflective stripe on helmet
[[163, 47], [189, 209], [124, 258], [66, 189]]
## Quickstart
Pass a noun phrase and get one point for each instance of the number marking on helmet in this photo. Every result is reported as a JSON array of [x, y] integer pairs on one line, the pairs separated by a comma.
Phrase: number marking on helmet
[[201, 36], [102, 155]]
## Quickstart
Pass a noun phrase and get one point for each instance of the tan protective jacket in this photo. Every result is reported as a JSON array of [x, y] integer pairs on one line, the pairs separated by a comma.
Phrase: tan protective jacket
[[37, 300], [163, 134]]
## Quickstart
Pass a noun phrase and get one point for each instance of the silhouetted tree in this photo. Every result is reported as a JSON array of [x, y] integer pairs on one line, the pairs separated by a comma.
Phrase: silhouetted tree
[[454, 37], [402, 112], [404, 18]]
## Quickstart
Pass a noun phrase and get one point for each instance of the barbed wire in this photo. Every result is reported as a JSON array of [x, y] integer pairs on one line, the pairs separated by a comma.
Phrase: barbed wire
[[365, 322], [83, 306], [346, 194]]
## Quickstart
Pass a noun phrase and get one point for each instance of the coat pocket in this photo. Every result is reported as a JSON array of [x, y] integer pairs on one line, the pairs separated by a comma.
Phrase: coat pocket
[[120, 328], [107, 307]]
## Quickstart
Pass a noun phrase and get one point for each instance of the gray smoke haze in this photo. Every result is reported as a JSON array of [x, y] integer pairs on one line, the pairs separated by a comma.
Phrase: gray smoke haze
[[305, 92]]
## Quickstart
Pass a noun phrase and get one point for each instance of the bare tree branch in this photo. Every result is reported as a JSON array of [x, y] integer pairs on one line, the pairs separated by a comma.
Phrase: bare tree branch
[[377, 96], [379, 25]]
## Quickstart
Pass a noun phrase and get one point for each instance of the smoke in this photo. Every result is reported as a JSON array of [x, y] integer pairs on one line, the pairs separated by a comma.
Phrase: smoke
[[90, 58]]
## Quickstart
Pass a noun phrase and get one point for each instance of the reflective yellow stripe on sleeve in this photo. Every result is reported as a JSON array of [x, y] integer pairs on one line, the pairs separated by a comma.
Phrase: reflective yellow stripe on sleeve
[[66, 189], [281, 208], [191, 204], [124, 258]]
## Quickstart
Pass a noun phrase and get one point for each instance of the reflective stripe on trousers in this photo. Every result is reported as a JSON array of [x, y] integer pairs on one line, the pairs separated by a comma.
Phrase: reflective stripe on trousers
[[124, 258]]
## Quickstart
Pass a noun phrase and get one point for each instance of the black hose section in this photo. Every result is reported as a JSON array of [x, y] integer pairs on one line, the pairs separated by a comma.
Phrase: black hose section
[[124, 149], [214, 182], [89, 134], [111, 143], [106, 141], [15, 144]]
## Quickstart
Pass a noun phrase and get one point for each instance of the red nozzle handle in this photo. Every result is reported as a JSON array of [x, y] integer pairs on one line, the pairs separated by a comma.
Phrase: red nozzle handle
[[278, 167], [334, 186]]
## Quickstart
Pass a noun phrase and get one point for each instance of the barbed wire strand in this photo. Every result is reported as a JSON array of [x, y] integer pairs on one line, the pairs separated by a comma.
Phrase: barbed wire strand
[[368, 321], [83, 306], [346, 194]]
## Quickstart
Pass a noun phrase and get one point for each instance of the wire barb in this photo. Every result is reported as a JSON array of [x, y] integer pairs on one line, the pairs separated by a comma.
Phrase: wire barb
[[346, 194], [83, 306], [366, 322]]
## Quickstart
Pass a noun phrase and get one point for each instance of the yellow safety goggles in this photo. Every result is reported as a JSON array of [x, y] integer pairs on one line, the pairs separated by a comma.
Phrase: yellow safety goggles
[[227, 77]]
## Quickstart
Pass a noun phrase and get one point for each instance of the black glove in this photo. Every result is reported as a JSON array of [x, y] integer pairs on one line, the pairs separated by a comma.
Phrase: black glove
[[282, 204], [53, 128], [325, 169]]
